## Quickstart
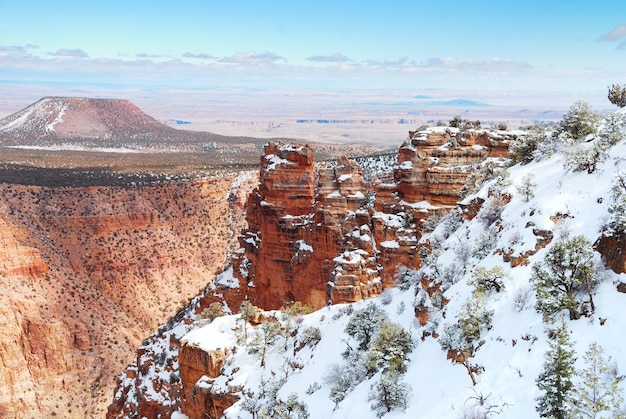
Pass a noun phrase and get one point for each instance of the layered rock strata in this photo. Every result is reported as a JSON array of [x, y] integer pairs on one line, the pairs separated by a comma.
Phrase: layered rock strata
[[87, 273], [320, 235]]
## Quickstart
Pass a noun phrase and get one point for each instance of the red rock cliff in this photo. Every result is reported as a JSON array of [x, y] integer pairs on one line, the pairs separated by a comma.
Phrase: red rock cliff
[[317, 234], [87, 273]]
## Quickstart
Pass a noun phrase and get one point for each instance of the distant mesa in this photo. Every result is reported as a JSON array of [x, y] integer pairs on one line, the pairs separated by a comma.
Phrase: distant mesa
[[459, 103], [91, 122]]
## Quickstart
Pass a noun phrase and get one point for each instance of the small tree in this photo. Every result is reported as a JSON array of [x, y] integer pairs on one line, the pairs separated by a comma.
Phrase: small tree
[[265, 336], [248, 313], [599, 389], [555, 380], [567, 269], [527, 187], [365, 323], [389, 393], [522, 149], [579, 121], [292, 408], [484, 280], [213, 311], [617, 95], [390, 348], [617, 208]]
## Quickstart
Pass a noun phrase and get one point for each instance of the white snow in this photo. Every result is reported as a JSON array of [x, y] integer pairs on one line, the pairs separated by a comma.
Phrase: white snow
[[512, 355]]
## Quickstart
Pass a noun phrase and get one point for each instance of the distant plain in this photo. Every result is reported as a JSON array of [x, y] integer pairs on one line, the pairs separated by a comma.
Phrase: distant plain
[[379, 118]]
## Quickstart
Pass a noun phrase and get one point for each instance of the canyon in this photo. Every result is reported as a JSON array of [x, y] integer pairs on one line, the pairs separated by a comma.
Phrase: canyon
[[88, 272], [318, 234]]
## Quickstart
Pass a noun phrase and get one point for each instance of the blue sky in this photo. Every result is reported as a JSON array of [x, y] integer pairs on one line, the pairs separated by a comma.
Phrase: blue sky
[[447, 44]]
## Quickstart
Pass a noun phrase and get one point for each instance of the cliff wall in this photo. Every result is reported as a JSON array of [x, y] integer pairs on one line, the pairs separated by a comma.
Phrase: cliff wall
[[88, 273]]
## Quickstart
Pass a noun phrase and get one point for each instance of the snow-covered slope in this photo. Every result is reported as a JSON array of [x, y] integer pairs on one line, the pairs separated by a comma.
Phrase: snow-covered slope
[[508, 355]]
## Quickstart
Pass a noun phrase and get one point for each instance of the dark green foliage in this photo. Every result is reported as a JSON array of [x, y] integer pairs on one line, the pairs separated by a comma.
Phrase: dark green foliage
[[390, 348], [617, 95], [364, 324], [566, 272], [579, 121], [555, 380], [522, 150]]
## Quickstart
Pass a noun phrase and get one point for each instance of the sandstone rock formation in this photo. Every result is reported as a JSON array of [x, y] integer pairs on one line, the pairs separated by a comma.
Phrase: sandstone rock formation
[[87, 273], [319, 233], [324, 234]]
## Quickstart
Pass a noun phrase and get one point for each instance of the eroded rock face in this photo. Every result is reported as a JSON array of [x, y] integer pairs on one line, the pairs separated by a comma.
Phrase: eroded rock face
[[613, 251], [87, 273], [302, 218]]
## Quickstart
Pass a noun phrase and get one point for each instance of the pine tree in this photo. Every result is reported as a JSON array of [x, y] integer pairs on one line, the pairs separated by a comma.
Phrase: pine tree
[[555, 380], [567, 269], [617, 95], [390, 348], [389, 394], [599, 389], [364, 324]]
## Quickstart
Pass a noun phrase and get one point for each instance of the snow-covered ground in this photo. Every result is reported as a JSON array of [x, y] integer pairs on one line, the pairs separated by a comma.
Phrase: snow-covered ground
[[511, 354]]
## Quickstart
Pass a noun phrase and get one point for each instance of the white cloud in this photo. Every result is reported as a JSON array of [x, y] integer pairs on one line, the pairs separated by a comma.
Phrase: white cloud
[[616, 34], [252, 57], [200, 56], [65, 52], [335, 58]]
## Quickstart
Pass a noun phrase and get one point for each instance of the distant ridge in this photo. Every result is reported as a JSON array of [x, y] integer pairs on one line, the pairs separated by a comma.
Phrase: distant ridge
[[459, 102]]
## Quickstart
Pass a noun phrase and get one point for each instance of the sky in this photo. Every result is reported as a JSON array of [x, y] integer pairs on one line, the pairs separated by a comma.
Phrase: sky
[[536, 45]]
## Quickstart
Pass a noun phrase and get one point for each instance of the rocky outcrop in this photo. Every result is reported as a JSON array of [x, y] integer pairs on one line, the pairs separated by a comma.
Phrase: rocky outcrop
[[613, 251], [324, 234], [87, 273]]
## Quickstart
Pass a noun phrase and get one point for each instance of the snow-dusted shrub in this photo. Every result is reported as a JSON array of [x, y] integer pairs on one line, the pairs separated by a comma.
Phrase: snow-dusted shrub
[[389, 349], [400, 308], [463, 253], [485, 280], [386, 297], [522, 297], [310, 336], [491, 210], [449, 276], [485, 242], [617, 95], [579, 121], [388, 394], [584, 157], [292, 408], [522, 150], [364, 324], [527, 187], [616, 224], [565, 274], [213, 311], [452, 222], [342, 379]]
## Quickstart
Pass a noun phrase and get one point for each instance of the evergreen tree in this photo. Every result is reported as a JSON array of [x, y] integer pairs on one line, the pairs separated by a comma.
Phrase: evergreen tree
[[555, 380], [390, 348], [389, 394], [579, 121], [527, 187], [599, 389], [248, 313], [617, 95], [567, 269], [265, 336], [364, 324]]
